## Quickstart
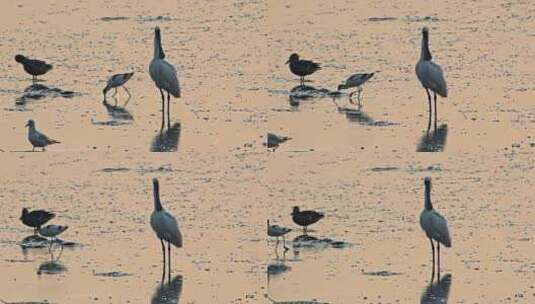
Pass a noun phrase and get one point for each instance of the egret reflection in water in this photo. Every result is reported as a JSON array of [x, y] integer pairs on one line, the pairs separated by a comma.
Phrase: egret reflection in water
[[438, 291], [168, 293], [434, 141], [167, 140]]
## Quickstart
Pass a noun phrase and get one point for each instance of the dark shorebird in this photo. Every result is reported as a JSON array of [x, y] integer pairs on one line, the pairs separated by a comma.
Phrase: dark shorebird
[[273, 140], [33, 67], [302, 68], [164, 75], [355, 81], [35, 218], [434, 225], [115, 81], [305, 218], [38, 139], [277, 231], [430, 75]]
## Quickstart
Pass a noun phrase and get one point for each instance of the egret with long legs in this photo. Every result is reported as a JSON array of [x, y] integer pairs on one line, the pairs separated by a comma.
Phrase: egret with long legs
[[434, 225], [430, 75], [164, 75], [164, 225]]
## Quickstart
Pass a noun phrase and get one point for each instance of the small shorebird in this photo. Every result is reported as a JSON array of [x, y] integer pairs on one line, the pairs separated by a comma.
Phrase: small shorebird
[[33, 67], [164, 75], [277, 231], [164, 225], [38, 139], [52, 231], [306, 217], [355, 81], [430, 75], [302, 68], [434, 225], [35, 218], [115, 81]]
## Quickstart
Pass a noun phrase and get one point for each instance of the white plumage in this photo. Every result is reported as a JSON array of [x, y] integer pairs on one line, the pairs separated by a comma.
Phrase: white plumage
[[36, 138], [277, 231]]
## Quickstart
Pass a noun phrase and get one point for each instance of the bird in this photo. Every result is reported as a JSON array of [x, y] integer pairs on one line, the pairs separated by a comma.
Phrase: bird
[[430, 75], [163, 74], [38, 139], [355, 81], [33, 67], [115, 81], [434, 225], [302, 68], [52, 231], [35, 218], [306, 217], [164, 225], [277, 231], [273, 140]]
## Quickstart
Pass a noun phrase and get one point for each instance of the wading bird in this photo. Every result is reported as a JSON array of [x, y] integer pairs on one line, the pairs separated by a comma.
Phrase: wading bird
[[52, 231], [38, 139], [164, 75], [305, 218], [302, 68], [430, 75], [164, 225], [434, 225], [115, 81], [277, 231], [35, 218], [33, 67], [355, 81]]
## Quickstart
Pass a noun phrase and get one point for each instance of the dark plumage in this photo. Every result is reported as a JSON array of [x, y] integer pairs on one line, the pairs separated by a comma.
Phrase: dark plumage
[[35, 218], [33, 67], [306, 217], [302, 68]]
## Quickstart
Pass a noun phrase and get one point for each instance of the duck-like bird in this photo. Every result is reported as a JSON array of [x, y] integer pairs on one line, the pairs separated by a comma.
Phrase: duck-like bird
[[430, 75], [117, 80], [434, 225], [35, 218], [277, 231], [164, 225], [33, 67], [38, 139], [355, 81], [302, 68], [163, 74], [305, 218]]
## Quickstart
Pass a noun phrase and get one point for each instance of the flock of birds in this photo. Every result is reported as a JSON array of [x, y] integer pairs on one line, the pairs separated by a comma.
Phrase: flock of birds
[[165, 78]]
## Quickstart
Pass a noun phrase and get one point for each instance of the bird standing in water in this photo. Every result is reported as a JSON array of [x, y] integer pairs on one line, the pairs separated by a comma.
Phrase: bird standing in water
[[35, 218], [115, 81], [355, 81], [305, 218], [277, 231], [33, 67], [302, 68]]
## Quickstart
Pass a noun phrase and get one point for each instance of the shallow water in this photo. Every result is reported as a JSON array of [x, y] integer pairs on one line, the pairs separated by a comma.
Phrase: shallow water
[[360, 167]]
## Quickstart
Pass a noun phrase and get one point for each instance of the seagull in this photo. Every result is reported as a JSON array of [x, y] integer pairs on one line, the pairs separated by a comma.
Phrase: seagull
[[35, 218], [355, 81], [38, 139], [430, 75], [52, 231], [305, 218], [163, 74], [434, 225], [164, 225], [302, 68], [33, 67], [277, 231], [115, 81]]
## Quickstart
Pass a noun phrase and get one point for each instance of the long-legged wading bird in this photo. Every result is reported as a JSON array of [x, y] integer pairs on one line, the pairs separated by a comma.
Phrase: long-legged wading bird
[[355, 81], [163, 74], [38, 139], [305, 218], [277, 231], [302, 68], [434, 225], [430, 75], [35, 218], [164, 225], [115, 81], [52, 231], [33, 67]]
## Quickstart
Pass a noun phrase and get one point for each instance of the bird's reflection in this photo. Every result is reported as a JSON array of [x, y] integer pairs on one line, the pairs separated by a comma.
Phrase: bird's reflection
[[38, 91], [277, 267], [434, 141], [168, 293], [53, 266], [352, 114], [438, 291], [116, 112], [167, 140], [304, 92]]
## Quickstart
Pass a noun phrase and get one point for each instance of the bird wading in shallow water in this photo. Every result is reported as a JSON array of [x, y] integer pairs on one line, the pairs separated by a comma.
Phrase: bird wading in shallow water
[[434, 225], [355, 81], [277, 231], [302, 68], [430, 75], [115, 81], [33, 67], [305, 218], [38, 139], [52, 231], [35, 218]]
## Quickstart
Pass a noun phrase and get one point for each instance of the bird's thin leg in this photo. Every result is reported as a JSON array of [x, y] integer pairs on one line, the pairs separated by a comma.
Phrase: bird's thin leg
[[163, 251], [168, 111], [169, 258], [114, 92], [34, 79], [129, 96], [433, 251], [438, 259], [305, 230], [302, 80], [277, 244], [430, 110], [33, 149], [350, 97], [436, 113], [359, 94], [163, 109], [284, 244]]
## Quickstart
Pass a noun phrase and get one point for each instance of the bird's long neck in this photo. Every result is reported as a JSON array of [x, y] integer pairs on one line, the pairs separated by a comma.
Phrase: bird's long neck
[[428, 205], [157, 203], [158, 50], [425, 54]]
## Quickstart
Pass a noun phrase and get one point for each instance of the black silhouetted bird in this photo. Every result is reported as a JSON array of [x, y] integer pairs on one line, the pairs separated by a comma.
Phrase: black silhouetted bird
[[306, 217], [33, 67], [302, 68], [35, 218]]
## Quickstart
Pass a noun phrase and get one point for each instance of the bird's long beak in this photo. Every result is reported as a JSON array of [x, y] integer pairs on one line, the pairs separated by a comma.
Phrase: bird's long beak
[[26, 125], [287, 61]]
